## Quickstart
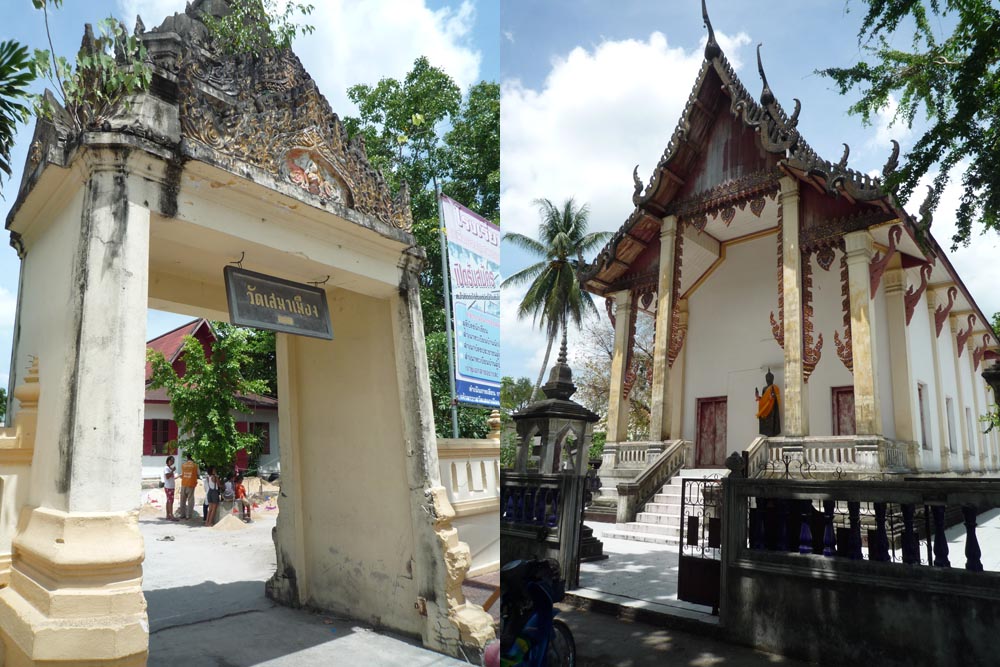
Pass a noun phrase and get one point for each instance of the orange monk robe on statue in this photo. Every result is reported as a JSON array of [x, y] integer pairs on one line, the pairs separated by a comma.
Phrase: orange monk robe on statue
[[768, 402]]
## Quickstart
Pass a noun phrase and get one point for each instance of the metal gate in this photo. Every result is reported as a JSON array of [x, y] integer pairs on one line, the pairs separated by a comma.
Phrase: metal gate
[[700, 542]]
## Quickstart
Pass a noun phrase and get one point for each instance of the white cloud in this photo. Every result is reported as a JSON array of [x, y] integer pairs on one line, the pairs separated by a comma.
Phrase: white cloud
[[509, 36], [599, 112], [362, 42], [888, 128]]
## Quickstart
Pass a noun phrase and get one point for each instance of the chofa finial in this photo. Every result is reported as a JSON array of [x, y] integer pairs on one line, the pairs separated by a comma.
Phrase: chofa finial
[[766, 96], [712, 49]]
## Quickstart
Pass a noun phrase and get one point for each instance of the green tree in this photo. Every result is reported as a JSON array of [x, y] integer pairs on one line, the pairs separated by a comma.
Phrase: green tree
[[262, 358], [204, 398], [955, 81], [16, 73], [996, 323], [251, 26], [514, 395], [402, 122], [555, 297]]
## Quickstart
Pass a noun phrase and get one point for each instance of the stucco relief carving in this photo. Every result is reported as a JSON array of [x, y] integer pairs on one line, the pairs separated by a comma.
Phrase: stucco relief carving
[[963, 335], [810, 353], [943, 310], [778, 325], [913, 293], [678, 325], [845, 351], [267, 112]]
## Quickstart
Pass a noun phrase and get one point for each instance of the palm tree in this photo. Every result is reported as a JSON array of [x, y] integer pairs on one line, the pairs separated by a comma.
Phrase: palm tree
[[555, 296], [15, 75]]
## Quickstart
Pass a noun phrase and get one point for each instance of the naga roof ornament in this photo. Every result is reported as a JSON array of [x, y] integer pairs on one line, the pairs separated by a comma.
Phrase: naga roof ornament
[[712, 48]]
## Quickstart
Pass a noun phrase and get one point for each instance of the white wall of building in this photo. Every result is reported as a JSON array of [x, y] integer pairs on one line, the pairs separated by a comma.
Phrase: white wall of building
[[729, 345], [920, 346], [883, 361], [828, 319], [152, 466]]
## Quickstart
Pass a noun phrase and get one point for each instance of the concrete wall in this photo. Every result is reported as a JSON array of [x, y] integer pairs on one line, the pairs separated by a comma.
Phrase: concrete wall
[[729, 339], [342, 433], [828, 319]]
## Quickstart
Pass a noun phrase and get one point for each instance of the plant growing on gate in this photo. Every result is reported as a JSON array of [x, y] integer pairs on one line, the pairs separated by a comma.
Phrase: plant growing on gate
[[108, 68], [205, 397]]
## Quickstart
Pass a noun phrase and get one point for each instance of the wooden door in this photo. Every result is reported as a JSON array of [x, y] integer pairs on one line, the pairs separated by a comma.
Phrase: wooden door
[[710, 442], [843, 411]]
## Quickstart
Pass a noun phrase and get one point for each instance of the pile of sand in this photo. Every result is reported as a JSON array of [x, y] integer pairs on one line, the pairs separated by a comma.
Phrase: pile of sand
[[229, 523]]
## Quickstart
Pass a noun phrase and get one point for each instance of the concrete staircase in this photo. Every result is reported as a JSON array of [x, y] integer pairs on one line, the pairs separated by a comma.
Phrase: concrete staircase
[[659, 522]]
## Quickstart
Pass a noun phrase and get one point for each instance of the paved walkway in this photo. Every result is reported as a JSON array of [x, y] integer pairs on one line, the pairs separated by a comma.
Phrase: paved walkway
[[638, 575], [205, 591]]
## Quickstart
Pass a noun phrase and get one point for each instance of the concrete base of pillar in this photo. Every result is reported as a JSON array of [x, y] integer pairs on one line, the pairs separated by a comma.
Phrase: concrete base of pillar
[[75, 594]]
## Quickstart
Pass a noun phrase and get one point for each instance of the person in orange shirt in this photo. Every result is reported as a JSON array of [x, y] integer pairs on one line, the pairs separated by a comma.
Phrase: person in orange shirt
[[189, 481], [241, 499]]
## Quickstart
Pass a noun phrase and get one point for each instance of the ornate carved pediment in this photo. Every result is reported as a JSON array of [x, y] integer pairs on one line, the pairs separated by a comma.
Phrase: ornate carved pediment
[[264, 110]]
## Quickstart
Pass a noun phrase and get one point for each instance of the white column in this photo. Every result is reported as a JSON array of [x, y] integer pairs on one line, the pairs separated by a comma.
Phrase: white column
[[76, 571], [676, 393], [660, 419], [618, 406], [942, 430], [903, 389], [867, 415], [796, 390], [963, 431]]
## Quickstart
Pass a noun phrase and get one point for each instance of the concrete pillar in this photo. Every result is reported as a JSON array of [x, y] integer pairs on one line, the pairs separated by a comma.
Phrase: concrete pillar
[[618, 407], [942, 430], [676, 390], [440, 559], [76, 574], [796, 390], [660, 422], [975, 440], [867, 415], [903, 388], [962, 431]]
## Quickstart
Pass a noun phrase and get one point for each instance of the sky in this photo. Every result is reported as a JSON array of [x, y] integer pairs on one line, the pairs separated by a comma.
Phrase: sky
[[354, 42], [590, 89]]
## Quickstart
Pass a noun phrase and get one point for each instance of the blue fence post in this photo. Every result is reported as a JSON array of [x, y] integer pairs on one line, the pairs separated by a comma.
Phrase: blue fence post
[[880, 550], [854, 513], [805, 532], [973, 553], [911, 551], [940, 539], [829, 540]]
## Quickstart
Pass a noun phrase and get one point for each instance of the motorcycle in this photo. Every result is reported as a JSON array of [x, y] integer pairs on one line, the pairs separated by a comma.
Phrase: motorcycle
[[530, 635]]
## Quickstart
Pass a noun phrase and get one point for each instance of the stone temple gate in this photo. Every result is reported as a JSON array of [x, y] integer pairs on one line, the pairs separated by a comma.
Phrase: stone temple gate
[[223, 157]]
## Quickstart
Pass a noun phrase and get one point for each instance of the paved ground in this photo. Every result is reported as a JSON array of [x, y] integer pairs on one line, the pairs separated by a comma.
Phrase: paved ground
[[606, 641], [205, 591]]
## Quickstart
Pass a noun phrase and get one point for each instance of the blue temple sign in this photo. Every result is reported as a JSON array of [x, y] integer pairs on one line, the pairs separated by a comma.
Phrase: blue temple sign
[[266, 302]]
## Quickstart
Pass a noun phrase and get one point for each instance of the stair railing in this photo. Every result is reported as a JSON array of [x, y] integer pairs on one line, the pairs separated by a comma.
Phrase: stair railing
[[633, 495], [755, 457]]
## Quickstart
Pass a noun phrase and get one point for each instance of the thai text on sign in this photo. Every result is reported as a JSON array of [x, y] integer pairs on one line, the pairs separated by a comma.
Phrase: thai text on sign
[[474, 272], [266, 302]]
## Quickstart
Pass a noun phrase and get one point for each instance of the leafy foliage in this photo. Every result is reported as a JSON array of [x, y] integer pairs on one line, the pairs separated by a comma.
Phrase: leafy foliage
[[262, 359], [204, 399], [252, 26], [996, 323], [16, 73], [555, 297], [955, 82], [401, 123], [108, 69], [592, 371]]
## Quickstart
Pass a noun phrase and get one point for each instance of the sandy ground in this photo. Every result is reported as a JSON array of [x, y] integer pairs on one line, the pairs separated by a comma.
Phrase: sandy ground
[[205, 593]]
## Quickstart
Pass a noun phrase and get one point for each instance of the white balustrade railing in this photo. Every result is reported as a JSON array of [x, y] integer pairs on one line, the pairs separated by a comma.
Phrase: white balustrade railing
[[470, 473]]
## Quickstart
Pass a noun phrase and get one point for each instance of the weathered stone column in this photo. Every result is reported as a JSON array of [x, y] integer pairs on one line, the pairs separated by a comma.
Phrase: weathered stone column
[[75, 595], [660, 418], [942, 433], [617, 403], [440, 559], [899, 350], [796, 390], [975, 441], [867, 416]]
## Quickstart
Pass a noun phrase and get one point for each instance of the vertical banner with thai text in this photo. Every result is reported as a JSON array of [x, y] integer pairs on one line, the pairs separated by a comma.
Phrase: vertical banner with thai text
[[474, 270]]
